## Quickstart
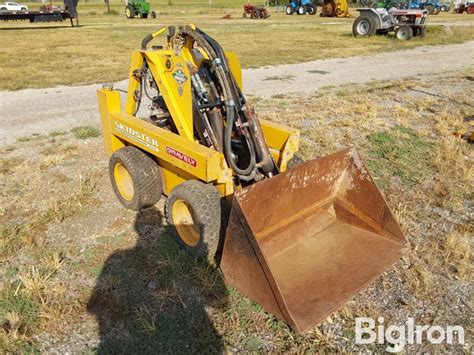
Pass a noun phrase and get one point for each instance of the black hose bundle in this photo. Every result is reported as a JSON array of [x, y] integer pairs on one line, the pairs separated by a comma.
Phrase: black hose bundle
[[233, 100]]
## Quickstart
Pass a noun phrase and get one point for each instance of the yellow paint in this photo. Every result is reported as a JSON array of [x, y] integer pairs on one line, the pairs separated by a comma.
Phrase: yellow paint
[[124, 182], [185, 223], [178, 155], [235, 68]]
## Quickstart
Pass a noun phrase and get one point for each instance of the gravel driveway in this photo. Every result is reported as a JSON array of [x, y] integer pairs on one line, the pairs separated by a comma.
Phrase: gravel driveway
[[29, 111]]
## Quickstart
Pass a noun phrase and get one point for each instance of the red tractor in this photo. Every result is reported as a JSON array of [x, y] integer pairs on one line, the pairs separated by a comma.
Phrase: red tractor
[[255, 12], [466, 7]]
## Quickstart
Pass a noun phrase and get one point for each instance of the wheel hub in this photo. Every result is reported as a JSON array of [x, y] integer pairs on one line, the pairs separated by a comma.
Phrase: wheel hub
[[184, 221], [123, 181]]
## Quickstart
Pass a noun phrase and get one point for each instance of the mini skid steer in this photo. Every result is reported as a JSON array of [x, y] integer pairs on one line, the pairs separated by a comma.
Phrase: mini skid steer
[[300, 241]]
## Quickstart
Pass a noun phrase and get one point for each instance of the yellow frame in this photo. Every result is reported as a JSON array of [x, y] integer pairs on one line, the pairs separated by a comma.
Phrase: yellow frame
[[178, 155]]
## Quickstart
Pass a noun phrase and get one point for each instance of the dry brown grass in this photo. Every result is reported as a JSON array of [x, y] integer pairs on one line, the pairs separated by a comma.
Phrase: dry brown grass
[[150, 293]]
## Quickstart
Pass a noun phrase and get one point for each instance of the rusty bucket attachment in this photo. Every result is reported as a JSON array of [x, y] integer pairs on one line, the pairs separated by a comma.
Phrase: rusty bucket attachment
[[304, 242]]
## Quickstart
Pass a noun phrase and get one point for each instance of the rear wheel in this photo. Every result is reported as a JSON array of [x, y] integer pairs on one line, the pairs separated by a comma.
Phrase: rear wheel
[[144, 15], [470, 9], [430, 9], [23, 9], [404, 33], [255, 14], [129, 11], [136, 178], [419, 32], [364, 26], [193, 212], [289, 10], [301, 10], [443, 8]]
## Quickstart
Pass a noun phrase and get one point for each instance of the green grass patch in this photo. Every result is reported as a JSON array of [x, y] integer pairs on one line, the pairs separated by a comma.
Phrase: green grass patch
[[84, 132], [57, 133], [399, 152], [18, 316]]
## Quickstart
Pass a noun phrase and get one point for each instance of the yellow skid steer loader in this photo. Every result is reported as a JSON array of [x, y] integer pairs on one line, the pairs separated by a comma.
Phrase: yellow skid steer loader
[[300, 241]]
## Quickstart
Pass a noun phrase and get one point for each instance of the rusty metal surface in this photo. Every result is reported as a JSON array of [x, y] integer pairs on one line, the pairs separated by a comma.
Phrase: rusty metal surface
[[304, 242]]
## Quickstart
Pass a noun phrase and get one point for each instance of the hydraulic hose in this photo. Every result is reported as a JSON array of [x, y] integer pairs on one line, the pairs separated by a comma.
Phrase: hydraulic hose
[[244, 174], [231, 96]]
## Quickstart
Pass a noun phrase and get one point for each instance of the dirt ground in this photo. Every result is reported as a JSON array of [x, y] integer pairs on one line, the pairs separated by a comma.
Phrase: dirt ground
[[81, 274]]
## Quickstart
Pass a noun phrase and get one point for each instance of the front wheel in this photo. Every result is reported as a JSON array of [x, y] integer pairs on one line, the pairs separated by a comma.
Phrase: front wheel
[[193, 211], [153, 14], [312, 10], [129, 11], [363, 26], [136, 178], [419, 32], [301, 10], [404, 33], [289, 10], [23, 9], [430, 9]]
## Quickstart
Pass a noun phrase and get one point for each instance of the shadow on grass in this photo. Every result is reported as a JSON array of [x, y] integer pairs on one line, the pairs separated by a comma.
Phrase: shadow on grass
[[155, 298]]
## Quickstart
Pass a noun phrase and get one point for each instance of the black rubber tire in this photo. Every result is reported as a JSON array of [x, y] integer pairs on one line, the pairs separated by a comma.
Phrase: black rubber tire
[[368, 21], [153, 14], [419, 32], [130, 11], [289, 10], [204, 202], [404, 33], [145, 175], [443, 8], [430, 9], [144, 15], [23, 9], [301, 10], [312, 9]]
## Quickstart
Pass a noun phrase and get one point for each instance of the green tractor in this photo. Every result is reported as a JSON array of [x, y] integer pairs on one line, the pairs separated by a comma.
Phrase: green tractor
[[140, 8]]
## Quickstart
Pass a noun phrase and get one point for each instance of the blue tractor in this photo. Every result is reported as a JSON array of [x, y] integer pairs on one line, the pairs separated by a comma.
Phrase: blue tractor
[[301, 7]]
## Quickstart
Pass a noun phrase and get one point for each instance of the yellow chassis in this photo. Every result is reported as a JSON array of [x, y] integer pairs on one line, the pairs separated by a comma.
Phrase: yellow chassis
[[178, 155]]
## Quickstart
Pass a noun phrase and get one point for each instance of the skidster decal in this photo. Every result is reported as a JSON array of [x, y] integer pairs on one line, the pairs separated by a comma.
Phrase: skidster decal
[[137, 136]]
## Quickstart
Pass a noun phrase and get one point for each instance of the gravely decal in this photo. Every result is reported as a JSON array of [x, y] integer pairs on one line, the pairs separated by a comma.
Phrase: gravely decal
[[181, 156], [137, 136]]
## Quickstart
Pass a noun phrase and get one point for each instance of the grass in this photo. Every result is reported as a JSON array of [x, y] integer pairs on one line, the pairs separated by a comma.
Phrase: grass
[[85, 132], [103, 43], [78, 266], [400, 152]]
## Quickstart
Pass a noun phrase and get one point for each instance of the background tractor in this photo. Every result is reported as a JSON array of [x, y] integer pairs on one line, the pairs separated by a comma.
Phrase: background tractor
[[335, 8], [467, 7], [255, 11], [140, 8], [405, 23], [301, 7]]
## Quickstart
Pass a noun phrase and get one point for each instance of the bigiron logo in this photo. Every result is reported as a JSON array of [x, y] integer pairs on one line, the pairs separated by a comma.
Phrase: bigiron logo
[[181, 156], [137, 136]]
